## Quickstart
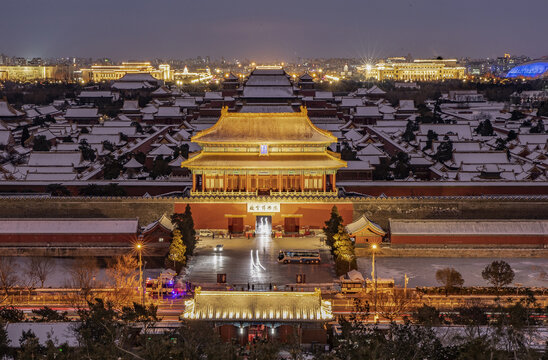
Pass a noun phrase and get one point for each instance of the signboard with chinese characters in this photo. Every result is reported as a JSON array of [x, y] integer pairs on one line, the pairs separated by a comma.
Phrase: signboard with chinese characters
[[259, 207]]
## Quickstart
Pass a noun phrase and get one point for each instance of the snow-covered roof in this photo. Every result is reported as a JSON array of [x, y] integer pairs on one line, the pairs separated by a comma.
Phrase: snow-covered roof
[[367, 111], [495, 157], [213, 95], [163, 150], [375, 90], [370, 150], [351, 102], [58, 158], [133, 164], [407, 105], [268, 92], [169, 111], [58, 332], [5, 137], [6, 110], [468, 227], [82, 113], [68, 226], [162, 90], [138, 77], [186, 102], [268, 80], [112, 130], [130, 105], [362, 223], [133, 85], [177, 161], [462, 130], [96, 94]]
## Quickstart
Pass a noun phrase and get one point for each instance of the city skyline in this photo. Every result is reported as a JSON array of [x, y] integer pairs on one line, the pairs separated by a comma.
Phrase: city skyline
[[269, 33]]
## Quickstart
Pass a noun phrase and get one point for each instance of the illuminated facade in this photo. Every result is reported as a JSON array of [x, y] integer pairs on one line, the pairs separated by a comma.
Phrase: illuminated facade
[[33, 73], [272, 154], [245, 316], [99, 73], [398, 69]]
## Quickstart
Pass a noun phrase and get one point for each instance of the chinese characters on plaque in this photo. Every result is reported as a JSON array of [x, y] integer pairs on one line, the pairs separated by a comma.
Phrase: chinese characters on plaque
[[263, 207]]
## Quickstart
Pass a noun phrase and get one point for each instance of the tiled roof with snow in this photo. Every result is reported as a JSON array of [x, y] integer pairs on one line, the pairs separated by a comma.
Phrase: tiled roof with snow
[[82, 113], [169, 111], [68, 226], [58, 158]]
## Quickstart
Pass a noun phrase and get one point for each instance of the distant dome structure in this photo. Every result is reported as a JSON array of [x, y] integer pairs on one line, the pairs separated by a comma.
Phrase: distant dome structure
[[531, 70]]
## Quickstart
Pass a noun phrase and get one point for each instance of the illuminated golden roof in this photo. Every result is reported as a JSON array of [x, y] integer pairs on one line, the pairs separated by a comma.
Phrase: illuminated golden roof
[[264, 128], [320, 160], [258, 306]]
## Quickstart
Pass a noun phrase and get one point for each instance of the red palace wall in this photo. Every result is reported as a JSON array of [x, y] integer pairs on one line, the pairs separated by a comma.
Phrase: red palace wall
[[470, 239], [215, 215]]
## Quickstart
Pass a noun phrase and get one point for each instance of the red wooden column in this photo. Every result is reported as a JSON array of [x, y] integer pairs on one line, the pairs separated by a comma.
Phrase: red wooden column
[[324, 177], [302, 181], [334, 182], [204, 182], [225, 178], [193, 181]]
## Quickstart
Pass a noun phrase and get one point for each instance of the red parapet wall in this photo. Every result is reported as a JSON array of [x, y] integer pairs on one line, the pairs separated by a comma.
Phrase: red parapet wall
[[215, 215], [445, 189], [470, 239]]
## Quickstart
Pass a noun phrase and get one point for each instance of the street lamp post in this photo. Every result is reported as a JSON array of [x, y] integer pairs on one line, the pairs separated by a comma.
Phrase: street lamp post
[[139, 250], [374, 275]]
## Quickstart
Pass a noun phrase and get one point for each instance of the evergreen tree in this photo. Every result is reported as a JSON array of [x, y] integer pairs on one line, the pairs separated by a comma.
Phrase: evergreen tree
[[177, 249], [25, 135], [445, 150], [160, 167], [430, 137], [401, 168], [511, 135], [185, 224], [409, 135], [4, 340], [40, 143], [485, 128], [332, 225], [343, 249], [87, 152]]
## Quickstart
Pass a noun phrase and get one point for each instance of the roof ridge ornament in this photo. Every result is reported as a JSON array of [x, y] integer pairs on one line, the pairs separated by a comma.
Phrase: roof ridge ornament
[[304, 111], [224, 110]]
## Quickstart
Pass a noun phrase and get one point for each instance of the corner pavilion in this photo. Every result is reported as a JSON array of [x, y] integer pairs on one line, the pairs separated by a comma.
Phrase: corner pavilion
[[267, 167]]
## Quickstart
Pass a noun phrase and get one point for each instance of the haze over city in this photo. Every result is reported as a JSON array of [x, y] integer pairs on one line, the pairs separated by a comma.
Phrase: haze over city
[[269, 31]]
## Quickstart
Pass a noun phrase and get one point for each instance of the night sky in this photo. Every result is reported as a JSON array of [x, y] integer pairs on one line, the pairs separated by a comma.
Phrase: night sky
[[273, 30]]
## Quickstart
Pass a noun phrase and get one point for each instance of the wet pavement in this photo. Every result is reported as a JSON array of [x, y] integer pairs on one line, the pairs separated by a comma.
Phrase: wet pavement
[[422, 271], [254, 261]]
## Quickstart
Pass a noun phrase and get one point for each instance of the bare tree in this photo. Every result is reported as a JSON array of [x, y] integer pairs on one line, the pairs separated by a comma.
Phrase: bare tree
[[83, 273], [8, 276], [395, 302], [40, 268], [122, 273]]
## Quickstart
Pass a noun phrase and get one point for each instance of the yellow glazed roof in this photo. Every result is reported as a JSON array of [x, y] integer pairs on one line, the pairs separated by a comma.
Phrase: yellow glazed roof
[[321, 160], [258, 306], [264, 128]]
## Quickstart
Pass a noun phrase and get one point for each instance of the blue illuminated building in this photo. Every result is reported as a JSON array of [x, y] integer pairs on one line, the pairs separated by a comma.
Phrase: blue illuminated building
[[532, 70]]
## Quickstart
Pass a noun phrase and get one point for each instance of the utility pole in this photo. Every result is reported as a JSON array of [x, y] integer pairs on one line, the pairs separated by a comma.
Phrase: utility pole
[[374, 276]]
